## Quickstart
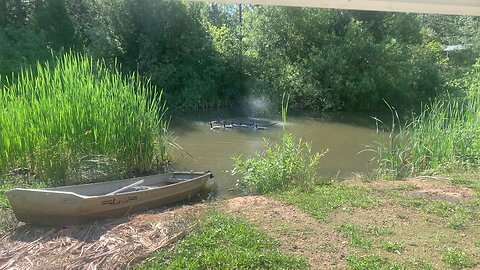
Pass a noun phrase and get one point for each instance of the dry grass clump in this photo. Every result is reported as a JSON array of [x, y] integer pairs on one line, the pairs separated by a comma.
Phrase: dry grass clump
[[108, 244]]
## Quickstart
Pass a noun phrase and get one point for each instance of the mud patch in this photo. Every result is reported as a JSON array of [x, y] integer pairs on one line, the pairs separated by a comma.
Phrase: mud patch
[[297, 233]]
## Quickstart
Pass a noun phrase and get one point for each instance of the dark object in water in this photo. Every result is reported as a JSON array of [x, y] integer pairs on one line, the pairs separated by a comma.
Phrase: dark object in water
[[241, 123], [212, 127], [257, 127]]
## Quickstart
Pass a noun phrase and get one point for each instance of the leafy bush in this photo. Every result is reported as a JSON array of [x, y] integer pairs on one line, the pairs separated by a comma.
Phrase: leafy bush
[[280, 166], [75, 119]]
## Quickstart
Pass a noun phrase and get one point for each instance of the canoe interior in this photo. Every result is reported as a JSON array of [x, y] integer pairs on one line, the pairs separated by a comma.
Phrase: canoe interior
[[79, 204], [103, 188]]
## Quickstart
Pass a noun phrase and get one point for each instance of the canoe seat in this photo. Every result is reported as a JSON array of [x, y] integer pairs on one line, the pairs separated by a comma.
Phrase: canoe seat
[[175, 180], [137, 188]]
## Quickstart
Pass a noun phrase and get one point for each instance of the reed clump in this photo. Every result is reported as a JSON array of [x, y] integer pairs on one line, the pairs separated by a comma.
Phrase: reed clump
[[75, 120], [444, 137]]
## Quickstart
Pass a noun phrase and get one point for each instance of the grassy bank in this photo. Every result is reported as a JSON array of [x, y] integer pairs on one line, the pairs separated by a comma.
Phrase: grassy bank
[[76, 120], [411, 224], [444, 137], [428, 223], [224, 242]]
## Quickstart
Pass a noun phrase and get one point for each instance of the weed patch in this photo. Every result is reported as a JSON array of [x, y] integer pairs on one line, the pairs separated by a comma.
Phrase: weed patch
[[421, 265], [392, 246], [378, 231], [457, 259], [223, 242], [355, 236], [326, 198], [458, 214], [369, 262]]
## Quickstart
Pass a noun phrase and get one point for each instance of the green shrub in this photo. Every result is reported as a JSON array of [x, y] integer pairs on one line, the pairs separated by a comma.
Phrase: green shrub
[[280, 166], [76, 119]]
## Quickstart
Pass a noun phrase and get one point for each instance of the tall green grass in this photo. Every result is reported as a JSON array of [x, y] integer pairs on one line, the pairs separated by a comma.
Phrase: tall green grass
[[444, 137], [75, 120]]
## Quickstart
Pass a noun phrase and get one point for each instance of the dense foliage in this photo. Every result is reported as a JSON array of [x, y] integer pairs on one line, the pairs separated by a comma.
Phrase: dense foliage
[[75, 120], [208, 55]]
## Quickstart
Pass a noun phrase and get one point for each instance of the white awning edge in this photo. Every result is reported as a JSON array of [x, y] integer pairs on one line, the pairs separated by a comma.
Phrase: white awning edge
[[451, 7]]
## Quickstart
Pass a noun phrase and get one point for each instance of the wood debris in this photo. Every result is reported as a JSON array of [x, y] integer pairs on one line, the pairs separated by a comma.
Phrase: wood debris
[[107, 244]]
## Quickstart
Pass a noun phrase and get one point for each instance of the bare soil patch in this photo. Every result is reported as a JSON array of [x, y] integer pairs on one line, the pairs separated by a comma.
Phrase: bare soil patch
[[296, 232], [108, 244], [430, 188]]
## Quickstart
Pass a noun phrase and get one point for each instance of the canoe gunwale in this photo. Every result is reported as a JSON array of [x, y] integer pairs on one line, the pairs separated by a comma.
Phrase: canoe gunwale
[[149, 188], [60, 207]]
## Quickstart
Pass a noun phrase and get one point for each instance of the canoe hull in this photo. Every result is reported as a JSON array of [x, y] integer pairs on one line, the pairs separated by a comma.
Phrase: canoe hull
[[58, 206]]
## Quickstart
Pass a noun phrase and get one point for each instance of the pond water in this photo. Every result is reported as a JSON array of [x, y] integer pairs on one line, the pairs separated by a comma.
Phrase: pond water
[[344, 135]]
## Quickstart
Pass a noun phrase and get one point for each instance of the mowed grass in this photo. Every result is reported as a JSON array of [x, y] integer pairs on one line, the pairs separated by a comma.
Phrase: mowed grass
[[224, 242], [393, 227], [327, 198]]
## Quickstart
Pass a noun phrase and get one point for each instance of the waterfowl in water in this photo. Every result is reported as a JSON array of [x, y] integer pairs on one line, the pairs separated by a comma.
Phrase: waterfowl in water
[[257, 127], [212, 127]]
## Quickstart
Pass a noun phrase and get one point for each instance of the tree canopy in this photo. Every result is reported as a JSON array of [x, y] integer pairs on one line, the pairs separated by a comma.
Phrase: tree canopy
[[210, 55]]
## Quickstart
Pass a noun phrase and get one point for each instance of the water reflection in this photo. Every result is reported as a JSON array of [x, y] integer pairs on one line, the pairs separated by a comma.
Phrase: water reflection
[[344, 135]]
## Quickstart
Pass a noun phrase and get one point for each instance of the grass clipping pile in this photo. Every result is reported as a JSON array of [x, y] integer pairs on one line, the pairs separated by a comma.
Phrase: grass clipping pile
[[108, 244]]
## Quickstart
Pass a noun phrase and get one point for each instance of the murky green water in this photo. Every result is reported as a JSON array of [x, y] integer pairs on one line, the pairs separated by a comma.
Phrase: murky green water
[[344, 135]]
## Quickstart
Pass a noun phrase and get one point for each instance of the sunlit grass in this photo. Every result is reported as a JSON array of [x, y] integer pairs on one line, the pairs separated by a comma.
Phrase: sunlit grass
[[324, 199], [76, 120], [444, 137], [356, 262], [457, 259], [355, 236], [223, 242], [289, 163]]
